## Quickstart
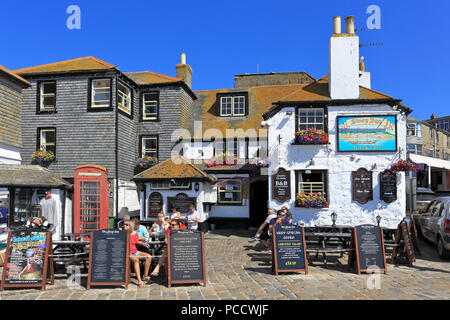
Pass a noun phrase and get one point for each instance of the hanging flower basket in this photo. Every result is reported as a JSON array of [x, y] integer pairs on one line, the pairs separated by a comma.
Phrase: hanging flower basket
[[43, 158], [403, 166], [311, 136], [312, 200], [144, 163], [223, 159]]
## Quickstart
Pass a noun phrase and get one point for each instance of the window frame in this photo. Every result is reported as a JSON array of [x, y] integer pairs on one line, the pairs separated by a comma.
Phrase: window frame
[[233, 96], [141, 146], [127, 96], [170, 186], [325, 182], [229, 203], [325, 117], [90, 107], [142, 107], [39, 138], [39, 96], [415, 127]]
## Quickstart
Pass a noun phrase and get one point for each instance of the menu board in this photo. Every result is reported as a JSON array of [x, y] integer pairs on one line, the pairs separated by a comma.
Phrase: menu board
[[281, 185], [388, 186], [155, 203], [109, 258], [289, 250], [403, 241], [181, 202], [362, 186], [26, 258], [186, 257], [368, 244]]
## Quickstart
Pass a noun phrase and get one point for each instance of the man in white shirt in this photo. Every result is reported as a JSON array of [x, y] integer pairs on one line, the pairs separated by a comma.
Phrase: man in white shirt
[[193, 218], [262, 233]]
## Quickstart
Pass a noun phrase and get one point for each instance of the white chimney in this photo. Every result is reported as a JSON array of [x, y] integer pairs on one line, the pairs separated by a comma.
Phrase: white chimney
[[344, 61]]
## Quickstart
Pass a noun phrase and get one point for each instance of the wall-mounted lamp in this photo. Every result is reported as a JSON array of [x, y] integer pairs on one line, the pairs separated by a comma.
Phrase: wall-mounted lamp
[[288, 114], [374, 166], [353, 157], [334, 218], [196, 186], [378, 220], [311, 162]]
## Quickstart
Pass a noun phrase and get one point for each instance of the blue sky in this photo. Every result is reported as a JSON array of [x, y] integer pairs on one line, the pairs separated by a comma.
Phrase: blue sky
[[224, 38]]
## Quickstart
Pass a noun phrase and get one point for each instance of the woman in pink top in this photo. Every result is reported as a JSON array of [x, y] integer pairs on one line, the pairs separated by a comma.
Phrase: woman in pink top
[[135, 254]]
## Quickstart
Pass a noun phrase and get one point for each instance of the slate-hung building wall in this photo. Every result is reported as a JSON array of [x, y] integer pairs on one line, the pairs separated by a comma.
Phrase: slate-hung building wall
[[107, 137]]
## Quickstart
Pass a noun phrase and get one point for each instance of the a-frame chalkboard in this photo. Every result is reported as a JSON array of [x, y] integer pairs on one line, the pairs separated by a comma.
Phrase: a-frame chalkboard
[[367, 249], [109, 258], [289, 249], [27, 259], [403, 239]]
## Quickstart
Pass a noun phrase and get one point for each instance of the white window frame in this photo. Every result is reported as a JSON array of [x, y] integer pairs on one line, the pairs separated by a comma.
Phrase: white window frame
[[124, 98], [220, 189], [144, 150], [414, 128], [168, 185], [145, 103], [43, 95], [234, 104], [160, 185], [100, 103], [311, 187], [43, 140], [314, 123]]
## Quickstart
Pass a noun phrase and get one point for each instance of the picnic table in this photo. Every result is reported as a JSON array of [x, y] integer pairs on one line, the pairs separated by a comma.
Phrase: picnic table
[[70, 251]]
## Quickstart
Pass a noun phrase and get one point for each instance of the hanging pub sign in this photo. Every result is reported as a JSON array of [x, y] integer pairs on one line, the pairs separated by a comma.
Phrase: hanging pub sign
[[26, 259], [388, 186], [367, 133], [155, 203], [362, 186], [181, 202], [368, 249], [289, 249], [281, 185]]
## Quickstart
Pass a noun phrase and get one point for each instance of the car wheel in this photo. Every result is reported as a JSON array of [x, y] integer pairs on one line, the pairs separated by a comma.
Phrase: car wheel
[[442, 252]]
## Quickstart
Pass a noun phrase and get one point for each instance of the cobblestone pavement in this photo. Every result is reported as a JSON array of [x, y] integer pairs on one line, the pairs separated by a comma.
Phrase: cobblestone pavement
[[237, 269]]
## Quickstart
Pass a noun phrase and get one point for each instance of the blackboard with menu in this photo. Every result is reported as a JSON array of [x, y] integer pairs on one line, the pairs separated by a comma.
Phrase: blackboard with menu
[[289, 249], [368, 249], [362, 186], [26, 259], [404, 242], [186, 257], [155, 203], [281, 185], [388, 186], [109, 258]]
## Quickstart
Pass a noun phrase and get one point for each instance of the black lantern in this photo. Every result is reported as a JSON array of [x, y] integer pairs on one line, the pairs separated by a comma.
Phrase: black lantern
[[196, 186], [378, 220], [334, 218]]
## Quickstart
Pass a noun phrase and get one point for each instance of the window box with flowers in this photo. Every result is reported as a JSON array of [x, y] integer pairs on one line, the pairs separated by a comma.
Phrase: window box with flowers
[[223, 159], [43, 158], [144, 163], [311, 200], [403, 166], [257, 163], [311, 136]]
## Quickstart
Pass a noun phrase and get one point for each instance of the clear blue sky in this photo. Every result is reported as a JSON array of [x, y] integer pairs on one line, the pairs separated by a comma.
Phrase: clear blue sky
[[224, 38]]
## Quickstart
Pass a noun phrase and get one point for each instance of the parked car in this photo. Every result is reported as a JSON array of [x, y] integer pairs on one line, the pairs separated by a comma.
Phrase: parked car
[[424, 197], [434, 225]]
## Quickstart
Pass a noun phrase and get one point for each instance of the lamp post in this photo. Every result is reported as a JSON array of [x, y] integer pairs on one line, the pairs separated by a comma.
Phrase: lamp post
[[378, 220], [334, 218]]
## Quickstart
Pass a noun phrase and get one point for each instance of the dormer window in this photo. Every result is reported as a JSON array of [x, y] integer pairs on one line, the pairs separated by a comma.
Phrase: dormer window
[[124, 98], [233, 105]]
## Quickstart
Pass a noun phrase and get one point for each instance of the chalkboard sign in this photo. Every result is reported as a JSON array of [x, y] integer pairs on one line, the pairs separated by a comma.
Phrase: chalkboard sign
[[181, 202], [388, 186], [289, 249], [155, 203], [281, 185], [403, 239], [186, 257], [368, 249], [109, 258], [362, 186], [26, 259]]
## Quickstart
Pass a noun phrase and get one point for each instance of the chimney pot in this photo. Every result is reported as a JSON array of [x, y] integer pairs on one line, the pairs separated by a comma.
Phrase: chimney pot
[[337, 25], [183, 58], [350, 25]]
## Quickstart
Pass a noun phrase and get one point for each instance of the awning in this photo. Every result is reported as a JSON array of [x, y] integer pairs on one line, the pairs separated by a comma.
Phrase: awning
[[431, 162]]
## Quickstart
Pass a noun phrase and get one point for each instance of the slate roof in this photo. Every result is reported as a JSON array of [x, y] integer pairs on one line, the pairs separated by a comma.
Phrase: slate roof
[[30, 176], [14, 77], [149, 77], [178, 168]]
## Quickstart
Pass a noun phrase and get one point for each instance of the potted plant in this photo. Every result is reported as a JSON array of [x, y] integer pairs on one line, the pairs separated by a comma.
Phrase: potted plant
[[403, 166], [144, 163], [43, 158], [223, 159], [312, 200], [311, 136], [257, 163]]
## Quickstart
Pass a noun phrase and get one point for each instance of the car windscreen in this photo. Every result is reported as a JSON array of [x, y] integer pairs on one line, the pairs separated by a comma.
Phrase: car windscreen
[[425, 197]]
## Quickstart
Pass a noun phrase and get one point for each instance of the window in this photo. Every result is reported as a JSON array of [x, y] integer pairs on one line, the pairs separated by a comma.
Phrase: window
[[311, 118], [172, 184], [311, 181], [47, 96], [414, 148], [100, 93], [160, 185], [229, 192], [414, 129], [89, 205], [47, 139], [124, 98], [443, 125], [149, 146], [232, 106], [26, 203], [150, 106]]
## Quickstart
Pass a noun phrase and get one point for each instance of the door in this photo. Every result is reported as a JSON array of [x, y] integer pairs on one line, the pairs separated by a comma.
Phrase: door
[[259, 195]]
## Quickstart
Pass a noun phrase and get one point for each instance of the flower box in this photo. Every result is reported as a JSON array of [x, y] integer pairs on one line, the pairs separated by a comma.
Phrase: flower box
[[223, 159], [311, 136], [403, 166], [42, 158], [311, 200], [144, 163]]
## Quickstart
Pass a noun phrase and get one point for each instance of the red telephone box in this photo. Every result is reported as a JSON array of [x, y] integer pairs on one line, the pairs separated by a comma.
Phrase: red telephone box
[[90, 198]]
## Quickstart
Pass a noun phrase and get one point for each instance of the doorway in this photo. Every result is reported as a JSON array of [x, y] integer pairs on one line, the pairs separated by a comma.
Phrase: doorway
[[259, 195]]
